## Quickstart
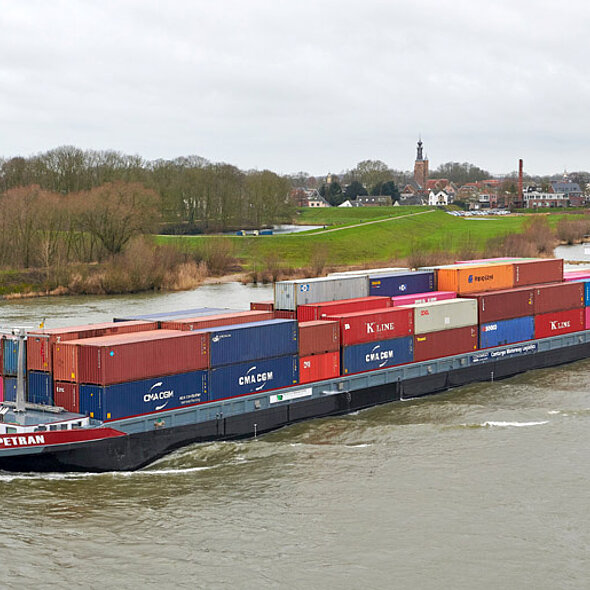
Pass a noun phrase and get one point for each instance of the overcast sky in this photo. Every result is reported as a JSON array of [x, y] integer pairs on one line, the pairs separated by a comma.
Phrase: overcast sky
[[309, 85]]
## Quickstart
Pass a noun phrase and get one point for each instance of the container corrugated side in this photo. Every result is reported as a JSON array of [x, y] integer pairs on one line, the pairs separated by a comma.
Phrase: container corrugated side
[[318, 367], [402, 283], [262, 305], [134, 398], [576, 275], [504, 305], [290, 294], [558, 297], [9, 389], [10, 356], [556, 323], [533, 272], [506, 331], [444, 315], [175, 314], [40, 388], [67, 396], [465, 278], [586, 283], [213, 321], [250, 377], [1, 389], [318, 311], [318, 337], [377, 355], [445, 343], [423, 297]]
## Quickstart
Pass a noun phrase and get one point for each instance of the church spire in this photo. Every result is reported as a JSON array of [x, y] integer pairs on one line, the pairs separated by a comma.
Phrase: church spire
[[419, 150]]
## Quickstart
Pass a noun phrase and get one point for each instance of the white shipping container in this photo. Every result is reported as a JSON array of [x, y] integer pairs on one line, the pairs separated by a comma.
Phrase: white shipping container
[[290, 294], [444, 315], [369, 271]]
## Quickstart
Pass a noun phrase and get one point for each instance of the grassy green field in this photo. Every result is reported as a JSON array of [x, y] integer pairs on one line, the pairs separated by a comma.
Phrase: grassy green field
[[347, 216]]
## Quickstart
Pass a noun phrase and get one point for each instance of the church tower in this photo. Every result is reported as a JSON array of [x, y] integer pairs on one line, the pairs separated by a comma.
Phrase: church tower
[[420, 166]]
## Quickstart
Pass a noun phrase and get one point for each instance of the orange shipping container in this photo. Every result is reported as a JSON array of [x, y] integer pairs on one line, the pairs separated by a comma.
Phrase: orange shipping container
[[469, 279]]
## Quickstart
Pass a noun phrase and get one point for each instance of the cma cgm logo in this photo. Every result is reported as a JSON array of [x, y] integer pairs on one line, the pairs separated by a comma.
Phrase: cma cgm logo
[[253, 378], [377, 355], [471, 278], [154, 396]]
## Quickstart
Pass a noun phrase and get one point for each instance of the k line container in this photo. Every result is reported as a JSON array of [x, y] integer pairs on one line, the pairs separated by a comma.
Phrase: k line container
[[262, 305], [465, 278], [402, 283], [371, 326], [445, 343], [318, 311], [444, 315], [423, 297], [533, 272], [40, 388], [245, 342], [40, 343], [10, 389], [67, 396], [318, 337], [10, 356], [213, 321], [504, 305], [377, 355], [290, 294], [253, 376], [506, 331], [319, 367], [560, 322], [558, 297], [145, 396], [130, 357]]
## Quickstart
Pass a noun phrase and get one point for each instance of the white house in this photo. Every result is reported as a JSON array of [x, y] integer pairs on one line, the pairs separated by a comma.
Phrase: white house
[[439, 198]]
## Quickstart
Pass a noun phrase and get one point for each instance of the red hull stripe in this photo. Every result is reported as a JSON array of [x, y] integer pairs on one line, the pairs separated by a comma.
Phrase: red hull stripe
[[59, 437]]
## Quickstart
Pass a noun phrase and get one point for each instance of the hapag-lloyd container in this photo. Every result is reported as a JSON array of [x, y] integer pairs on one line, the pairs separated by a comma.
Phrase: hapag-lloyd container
[[465, 278], [144, 396], [377, 355], [319, 366], [371, 326], [504, 305], [444, 315], [560, 322], [290, 294], [66, 395], [245, 342], [253, 376], [262, 305], [423, 297], [40, 388], [130, 357], [402, 283], [40, 342], [533, 272], [318, 337], [445, 343], [10, 356], [558, 297], [213, 321], [506, 331], [318, 311]]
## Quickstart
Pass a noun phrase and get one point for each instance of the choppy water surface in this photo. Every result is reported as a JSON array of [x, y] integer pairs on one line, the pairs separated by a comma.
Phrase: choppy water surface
[[486, 486]]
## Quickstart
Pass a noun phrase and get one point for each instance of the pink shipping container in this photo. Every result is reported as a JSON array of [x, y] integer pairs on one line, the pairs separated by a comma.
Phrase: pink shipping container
[[534, 272], [214, 321], [576, 275], [262, 305], [40, 348], [558, 297], [559, 322], [587, 323], [318, 311], [319, 366], [422, 297], [130, 357], [485, 260], [318, 337], [67, 396]]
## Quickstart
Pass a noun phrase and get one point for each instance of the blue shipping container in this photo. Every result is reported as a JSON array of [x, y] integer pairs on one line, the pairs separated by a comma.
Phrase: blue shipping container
[[259, 375], [141, 397], [377, 355], [401, 283], [10, 356], [506, 332], [10, 389], [168, 316], [245, 342], [40, 388]]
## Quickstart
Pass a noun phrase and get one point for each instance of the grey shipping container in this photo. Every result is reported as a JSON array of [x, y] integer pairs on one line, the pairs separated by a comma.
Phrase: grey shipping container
[[368, 271], [444, 315], [290, 294]]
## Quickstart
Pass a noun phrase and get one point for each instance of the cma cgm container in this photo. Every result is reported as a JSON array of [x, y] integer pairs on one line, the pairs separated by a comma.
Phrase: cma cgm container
[[445, 343], [370, 326], [213, 321], [503, 305], [506, 331], [130, 357], [402, 283], [377, 355], [245, 342], [290, 294], [40, 388], [144, 396], [262, 305], [559, 322], [257, 375], [40, 342], [10, 356], [318, 311], [466, 278], [318, 337], [67, 396], [533, 272], [423, 297], [444, 315], [558, 297], [319, 366]]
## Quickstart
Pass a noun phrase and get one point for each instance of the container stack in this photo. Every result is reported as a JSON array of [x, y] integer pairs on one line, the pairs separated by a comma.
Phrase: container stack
[[319, 351], [9, 367]]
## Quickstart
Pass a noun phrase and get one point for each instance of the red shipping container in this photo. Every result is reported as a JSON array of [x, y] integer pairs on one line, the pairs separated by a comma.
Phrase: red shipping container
[[40, 348], [318, 337], [318, 311], [130, 357], [503, 305], [371, 326], [262, 305], [284, 314], [445, 343], [587, 324], [67, 396], [558, 297], [319, 366], [418, 298], [559, 322], [533, 272], [213, 321]]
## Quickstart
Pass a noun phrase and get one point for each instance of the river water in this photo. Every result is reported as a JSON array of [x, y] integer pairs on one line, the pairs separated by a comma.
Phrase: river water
[[485, 486]]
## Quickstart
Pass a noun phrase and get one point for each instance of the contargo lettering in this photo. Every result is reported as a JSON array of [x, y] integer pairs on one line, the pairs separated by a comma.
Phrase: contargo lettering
[[373, 328], [22, 441]]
